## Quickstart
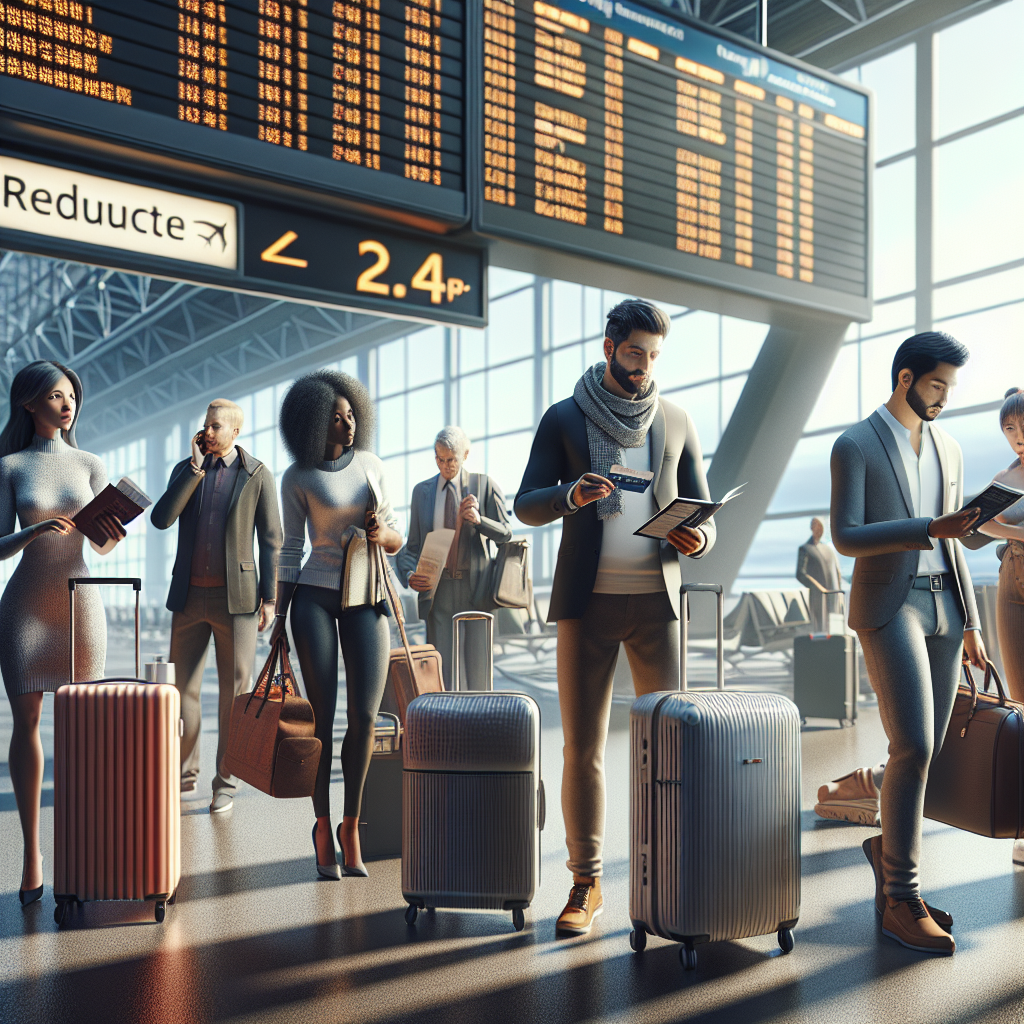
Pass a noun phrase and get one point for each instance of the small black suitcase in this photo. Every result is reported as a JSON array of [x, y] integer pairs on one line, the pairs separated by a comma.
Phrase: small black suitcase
[[380, 824], [826, 677]]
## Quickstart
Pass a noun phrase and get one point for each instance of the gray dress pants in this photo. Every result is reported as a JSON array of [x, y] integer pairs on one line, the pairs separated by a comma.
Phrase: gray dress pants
[[453, 596], [588, 649], [913, 663], [234, 636]]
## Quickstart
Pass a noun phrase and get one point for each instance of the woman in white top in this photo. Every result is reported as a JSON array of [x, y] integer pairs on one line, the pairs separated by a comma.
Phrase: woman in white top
[[334, 491], [44, 480]]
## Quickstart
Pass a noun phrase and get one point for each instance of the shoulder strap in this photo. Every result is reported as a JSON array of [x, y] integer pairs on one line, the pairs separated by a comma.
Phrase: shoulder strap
[[396, 605]]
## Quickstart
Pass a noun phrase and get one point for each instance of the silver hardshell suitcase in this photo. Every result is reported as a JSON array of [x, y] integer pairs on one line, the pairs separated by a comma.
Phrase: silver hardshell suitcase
[[714, 812], [472, 797]]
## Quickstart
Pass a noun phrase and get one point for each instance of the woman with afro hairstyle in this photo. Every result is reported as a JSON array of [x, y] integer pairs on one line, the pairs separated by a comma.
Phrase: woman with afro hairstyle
[[334, 491]]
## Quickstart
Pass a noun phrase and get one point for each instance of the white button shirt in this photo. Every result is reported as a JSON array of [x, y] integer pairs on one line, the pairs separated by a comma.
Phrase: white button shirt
[[924, 474], [439, 499]]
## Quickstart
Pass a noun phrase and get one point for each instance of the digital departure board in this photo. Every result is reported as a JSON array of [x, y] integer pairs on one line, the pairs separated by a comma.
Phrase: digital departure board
[[358, 97], [612, 130]]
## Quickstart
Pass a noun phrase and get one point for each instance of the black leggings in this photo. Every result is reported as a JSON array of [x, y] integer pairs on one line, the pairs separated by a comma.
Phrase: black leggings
[[365, 643]]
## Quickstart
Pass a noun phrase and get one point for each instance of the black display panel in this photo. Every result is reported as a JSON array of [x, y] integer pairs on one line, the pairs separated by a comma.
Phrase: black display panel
[[614, 131], [359, 97]]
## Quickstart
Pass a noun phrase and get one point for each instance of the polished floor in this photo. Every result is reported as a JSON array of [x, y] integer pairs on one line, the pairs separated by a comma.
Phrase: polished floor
[[254, 937]]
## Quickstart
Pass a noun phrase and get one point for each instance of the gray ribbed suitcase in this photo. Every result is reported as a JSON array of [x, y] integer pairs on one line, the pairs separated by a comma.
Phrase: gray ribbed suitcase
[[714, 813], [472, 798]]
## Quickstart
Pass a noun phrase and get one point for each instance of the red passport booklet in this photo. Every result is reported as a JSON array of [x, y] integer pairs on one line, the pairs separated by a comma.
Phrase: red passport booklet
[[126, 501]]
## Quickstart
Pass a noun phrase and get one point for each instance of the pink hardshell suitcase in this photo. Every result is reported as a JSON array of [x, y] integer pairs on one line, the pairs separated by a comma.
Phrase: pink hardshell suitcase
[[116, 781]]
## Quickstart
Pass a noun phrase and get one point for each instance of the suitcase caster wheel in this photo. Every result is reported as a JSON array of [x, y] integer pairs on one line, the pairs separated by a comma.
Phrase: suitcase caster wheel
[[60, 912], [173, 898], [160, 911], [638, 940], [518, 919], [410, 914], [688, 957], [786, 940]]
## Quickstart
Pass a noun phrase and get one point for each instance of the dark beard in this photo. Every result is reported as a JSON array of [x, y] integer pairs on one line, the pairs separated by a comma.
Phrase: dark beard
[[621, 375], [917, 403]]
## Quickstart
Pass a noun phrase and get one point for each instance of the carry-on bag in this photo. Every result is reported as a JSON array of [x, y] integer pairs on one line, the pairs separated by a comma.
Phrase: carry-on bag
[[472, 797], [976, 781], [116, 784], [271, 741], [714, 811], [380, 825], [412, 670], [826, 677]]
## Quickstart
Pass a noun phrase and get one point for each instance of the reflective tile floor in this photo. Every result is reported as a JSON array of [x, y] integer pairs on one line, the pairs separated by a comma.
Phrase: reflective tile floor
[[254, 937]]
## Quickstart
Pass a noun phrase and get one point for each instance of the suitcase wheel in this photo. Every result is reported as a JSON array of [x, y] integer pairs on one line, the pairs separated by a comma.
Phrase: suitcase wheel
[[638, 939], [688, 957], [161, 909], [518, 919], [410, 914], [786, 940]]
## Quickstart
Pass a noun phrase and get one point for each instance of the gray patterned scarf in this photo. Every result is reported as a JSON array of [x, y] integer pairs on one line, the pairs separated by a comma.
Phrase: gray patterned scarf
[[613, 424]]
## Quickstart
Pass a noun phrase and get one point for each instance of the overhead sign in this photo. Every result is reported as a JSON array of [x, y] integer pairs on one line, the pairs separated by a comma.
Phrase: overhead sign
[[40, 199]]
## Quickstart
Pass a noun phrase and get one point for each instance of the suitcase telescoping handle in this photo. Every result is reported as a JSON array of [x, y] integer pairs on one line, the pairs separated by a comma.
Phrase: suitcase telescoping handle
[[684, 614], [459, 620], [92, 581]]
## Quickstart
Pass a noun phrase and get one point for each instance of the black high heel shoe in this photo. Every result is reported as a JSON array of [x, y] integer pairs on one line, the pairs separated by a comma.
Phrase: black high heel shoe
[[28, 896], [350, 872], [330, 871]]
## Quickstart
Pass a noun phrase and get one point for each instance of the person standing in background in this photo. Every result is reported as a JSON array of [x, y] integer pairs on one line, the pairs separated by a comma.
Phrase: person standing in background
[[473, 505], [817, 569], [219, 497]]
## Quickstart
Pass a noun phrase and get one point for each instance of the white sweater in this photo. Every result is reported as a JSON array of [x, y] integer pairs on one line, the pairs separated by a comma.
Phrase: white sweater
[[325, 502]]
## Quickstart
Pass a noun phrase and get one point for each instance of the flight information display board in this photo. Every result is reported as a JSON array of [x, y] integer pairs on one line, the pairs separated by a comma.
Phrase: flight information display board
[[330, 85], [614, 131]]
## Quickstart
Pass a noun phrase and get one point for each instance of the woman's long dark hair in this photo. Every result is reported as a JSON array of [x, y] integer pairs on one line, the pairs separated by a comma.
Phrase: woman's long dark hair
[[306, 414], [31, 383]]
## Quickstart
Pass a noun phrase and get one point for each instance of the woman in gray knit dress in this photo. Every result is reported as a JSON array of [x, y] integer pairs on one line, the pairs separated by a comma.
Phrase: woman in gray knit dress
[[44, 480]]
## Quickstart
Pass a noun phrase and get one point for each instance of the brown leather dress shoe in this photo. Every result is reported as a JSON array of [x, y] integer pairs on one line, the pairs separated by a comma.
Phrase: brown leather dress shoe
[[852, 798], [584, 904], [910, 924], [873, 851]]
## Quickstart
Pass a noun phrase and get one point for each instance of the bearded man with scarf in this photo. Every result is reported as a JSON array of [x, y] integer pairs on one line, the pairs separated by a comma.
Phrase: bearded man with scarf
[[610, 587]]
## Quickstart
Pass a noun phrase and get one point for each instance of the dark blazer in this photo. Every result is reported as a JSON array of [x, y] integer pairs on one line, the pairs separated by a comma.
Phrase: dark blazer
[[872, 521], [253, 508], [561, 455], [474, 550], [813, 562]]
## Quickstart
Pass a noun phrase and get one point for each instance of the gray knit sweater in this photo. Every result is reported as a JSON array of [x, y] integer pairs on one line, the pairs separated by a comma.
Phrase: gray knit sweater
[[325, 502]]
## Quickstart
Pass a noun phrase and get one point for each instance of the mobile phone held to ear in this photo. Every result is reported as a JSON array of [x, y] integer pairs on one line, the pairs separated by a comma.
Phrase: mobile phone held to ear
[[200, 441], [637, 480]]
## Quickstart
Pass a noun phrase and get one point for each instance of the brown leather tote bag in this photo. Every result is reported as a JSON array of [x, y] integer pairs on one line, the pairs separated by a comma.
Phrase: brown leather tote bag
[[977, 780], [270, 740]]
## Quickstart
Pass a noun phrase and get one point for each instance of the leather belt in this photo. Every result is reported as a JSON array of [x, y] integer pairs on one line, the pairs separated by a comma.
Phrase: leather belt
[[935, 582]]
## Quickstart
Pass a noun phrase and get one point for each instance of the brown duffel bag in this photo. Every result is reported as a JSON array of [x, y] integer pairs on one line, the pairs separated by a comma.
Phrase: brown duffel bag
[[270, 740], [412, 670], [977, 780]]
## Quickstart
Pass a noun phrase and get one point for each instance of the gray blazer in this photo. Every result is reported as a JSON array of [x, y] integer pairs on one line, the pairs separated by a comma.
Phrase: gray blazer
[[872, 521], [474, 550], [253, 508]]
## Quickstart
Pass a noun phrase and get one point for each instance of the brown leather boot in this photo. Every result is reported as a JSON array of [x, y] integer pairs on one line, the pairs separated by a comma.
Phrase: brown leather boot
[[584, 904], [910, 924], [873, 851], [852, 798]]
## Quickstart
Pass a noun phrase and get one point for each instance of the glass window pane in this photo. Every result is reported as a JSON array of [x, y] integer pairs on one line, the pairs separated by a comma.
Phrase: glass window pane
[[510, 397], [566, 312], [771, 560], [890, 316], [979, 203], [594, 313], [426, 415], [807, 483], [976, 294], [511, 329], [702, 405], [731, 391], [263, 447], [421, 466], [264, 409], [426, 356], [690, 352], [391, 367], [395, 482], [566, 368], [500, 281], [893, 78], [391, 426], [997, 356], [837, 403], [741, 341], [472, 405], [876, 358], [979, 70], [472, 350], [506, 461], [893, 225]]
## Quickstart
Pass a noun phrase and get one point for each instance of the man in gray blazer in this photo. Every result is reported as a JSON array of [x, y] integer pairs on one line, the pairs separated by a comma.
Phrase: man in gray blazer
[[611, 587], [817, 569], [219, 497], [897, 483], [474, 506]]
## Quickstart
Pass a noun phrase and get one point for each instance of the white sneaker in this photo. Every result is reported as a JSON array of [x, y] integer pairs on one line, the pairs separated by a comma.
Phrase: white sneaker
[[1018, 852]]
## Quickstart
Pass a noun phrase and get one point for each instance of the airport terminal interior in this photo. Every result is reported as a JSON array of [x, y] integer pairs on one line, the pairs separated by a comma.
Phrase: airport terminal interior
[[771, 366]]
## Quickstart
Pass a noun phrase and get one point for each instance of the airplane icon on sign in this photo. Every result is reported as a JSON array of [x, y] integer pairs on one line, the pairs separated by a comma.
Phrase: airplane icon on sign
[[216, 231]]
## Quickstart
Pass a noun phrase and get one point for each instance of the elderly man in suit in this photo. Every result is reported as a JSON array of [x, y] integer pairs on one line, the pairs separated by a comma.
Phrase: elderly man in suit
[[219, 497], [817, 568], [473, 505], [897, 483], [610, 587]]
